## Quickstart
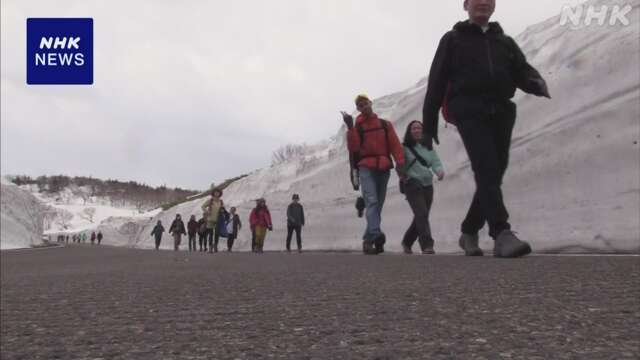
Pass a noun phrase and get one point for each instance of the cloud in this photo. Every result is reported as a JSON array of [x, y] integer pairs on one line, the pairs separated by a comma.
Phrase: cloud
[[191, 93]]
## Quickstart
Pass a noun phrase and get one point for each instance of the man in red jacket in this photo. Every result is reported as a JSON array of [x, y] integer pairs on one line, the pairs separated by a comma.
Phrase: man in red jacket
[[372, 142]]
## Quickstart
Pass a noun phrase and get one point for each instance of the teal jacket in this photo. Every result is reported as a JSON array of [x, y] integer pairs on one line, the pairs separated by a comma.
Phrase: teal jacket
[[417, 171]]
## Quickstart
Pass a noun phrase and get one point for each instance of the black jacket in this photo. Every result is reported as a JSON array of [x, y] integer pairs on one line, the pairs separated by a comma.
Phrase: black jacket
[[295, 214], [157, 231], [177, 227], [476, 70], [192, 227]]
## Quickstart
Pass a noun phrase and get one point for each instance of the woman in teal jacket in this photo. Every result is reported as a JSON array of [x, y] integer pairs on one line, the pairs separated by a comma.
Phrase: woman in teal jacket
[[419, 167]]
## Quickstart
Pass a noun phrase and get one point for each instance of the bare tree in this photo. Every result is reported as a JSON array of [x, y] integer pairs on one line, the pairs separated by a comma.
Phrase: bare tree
[[64, 219], [287, 152], [88, 214], [50, 215]]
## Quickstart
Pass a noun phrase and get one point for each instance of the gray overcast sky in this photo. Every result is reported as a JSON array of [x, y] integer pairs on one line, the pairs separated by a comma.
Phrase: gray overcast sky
[[192, 92]]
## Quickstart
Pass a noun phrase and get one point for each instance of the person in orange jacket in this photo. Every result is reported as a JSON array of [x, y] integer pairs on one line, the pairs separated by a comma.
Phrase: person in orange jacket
[[372, 142]]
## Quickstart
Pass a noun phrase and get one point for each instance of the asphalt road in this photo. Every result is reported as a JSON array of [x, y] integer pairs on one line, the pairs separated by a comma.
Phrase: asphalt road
[[84, 302]]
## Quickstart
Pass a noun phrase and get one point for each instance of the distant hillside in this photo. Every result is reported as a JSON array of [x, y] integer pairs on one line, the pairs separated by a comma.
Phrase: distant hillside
[[63, 189]]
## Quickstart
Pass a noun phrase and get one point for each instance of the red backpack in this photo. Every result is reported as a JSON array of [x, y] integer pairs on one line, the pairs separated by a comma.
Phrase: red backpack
[[446, 114]]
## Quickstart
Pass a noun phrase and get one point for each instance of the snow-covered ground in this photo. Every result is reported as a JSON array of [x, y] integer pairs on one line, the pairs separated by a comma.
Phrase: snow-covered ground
[[574, 179], [69, 212], [21, 216]]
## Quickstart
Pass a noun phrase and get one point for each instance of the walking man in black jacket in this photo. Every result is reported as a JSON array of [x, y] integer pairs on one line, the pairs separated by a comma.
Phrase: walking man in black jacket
[[295, 221], [474, 74]]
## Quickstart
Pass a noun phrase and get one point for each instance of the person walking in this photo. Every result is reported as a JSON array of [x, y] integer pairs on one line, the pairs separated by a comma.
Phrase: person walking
[[99, 237], [233, 227], [177, 229], [192, 230], [93, 237], [420, 165], [295, 222], [211, 211], [202, 234], [474, 74], [157, 232], [261, 221], [372, 142]]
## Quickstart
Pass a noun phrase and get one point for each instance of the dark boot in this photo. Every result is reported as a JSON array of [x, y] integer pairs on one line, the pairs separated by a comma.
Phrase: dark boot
[[406, 249], [469, 243], [379, 243], [368, 247], [507, 245]]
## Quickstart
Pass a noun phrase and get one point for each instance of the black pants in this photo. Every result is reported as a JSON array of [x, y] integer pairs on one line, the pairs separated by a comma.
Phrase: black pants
[[290, 230], [230, 239], [202, 241], [158, 240], [487, 140], [420, 199], [192, 242], [213, 237]]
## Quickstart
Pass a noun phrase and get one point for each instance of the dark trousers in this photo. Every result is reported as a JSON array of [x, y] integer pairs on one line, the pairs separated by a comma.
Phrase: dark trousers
[[158, 240], [230, 239], [192, 242], [213, 237], [487, 140], [290, 230], [202, 241], [420, 199]]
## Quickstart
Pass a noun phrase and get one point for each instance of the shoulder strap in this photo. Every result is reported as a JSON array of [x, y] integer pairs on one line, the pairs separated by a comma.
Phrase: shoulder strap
[[420, 159], [384, 125]]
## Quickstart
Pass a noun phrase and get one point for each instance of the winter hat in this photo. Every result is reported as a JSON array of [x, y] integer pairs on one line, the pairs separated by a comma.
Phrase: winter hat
[[219, 191], [362, 97]]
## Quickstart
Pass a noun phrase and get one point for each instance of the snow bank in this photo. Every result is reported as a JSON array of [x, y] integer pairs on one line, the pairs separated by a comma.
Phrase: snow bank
[[21, 216], [574, 177]]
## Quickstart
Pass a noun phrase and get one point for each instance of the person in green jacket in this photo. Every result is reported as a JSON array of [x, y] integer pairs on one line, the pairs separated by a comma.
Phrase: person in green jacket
[[420, 166]]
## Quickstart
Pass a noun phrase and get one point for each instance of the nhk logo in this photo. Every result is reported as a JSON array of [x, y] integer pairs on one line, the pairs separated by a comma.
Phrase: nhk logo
[[59, 51]]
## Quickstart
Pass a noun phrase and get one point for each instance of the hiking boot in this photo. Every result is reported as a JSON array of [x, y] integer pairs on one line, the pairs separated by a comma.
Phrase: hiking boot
[[507, 245], [407, 250], [379, 243], [368, 247], [428, 251], [469, 243]]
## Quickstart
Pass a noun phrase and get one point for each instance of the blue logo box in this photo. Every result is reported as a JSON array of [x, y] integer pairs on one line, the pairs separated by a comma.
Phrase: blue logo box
[[59, 51]]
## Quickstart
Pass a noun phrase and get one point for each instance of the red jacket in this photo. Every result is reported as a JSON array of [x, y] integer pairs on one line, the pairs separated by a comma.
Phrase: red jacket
[[260, 216], [373, 153]]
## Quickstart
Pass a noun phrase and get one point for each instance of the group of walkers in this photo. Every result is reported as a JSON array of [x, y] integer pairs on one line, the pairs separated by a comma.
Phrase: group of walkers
[[473, 77], [80, 238], [216, 222], [474, 74]]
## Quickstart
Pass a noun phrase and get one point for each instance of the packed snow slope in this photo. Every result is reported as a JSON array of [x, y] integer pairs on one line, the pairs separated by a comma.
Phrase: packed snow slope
[[21, 217], [68, 212], [574, 179]]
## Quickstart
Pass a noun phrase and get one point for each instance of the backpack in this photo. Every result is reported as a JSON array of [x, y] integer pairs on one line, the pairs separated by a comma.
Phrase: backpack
[[446, 114], [222, 229], [229, 226], [354, 158]]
